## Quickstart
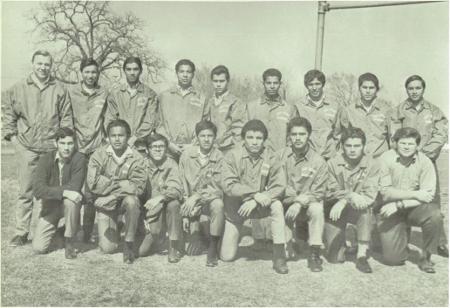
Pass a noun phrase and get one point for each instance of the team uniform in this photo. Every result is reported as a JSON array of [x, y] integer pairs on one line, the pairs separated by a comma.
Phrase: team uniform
[[227, 112], [33, 113], [52, 176], [344, 180], [105, 169], [418, 175]]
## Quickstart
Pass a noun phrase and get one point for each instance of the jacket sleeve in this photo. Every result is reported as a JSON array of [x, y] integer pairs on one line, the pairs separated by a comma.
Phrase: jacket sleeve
[[98, 183], [137, 180], [317, 189], [41, 177], [340, 122], [212, 189], [78, 173], [111, 109], [206, 114], [173, 189], [335, 184], [370, 186], [276, 183], [150, 120], [65, 110], [439, 135], [231, 180], [182, 170], [10, 117]]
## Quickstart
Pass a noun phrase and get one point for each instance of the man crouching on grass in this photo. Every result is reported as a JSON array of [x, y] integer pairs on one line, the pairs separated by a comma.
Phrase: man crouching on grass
[[57, 180], [253, 183], [116, 177]]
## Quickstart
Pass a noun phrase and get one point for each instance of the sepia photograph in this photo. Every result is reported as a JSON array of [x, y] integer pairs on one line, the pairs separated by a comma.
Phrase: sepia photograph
[[224, 153]]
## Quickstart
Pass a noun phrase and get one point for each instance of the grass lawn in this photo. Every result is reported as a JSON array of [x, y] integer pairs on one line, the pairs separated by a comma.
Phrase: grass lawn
[[94, 279]]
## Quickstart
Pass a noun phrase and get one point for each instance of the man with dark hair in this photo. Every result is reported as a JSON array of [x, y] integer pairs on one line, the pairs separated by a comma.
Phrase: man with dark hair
[[57, 180], [116, 176], [134, 102], [162, 198], [89, 104], [408, 187], [225, 110], [432, 125], [306, 173], [370, 113], [321, 110], [352, 188], [200, 173], [33, 111], [180, 108], [275, 112], [253, 183]]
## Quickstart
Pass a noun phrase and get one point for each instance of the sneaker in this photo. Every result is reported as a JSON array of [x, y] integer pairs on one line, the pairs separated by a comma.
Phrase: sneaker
[[259, 245], [315, 262], [280, 266], [363, 266], [426, 266], [128, 253], [212, 261], [18, 240], [174, 255], [442, 251], [69, 249]]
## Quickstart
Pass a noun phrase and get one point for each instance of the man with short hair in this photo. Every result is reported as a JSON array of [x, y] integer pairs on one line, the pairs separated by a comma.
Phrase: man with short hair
[[162, 198], [408, 187], [89, 104], [225, 110], [58, 180], [180, 108], [116, 176], [352, 189], [200, 173], [133, 102], [33, 111], [306, 173], [320, 109], [368, 112], [253, 182]]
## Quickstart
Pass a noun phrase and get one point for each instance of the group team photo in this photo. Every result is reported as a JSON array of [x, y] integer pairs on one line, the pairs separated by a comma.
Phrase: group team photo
[[193, 170]]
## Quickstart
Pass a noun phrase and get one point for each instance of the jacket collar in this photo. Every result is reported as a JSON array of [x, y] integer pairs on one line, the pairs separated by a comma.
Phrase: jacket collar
[[363, 163], [213, 155]]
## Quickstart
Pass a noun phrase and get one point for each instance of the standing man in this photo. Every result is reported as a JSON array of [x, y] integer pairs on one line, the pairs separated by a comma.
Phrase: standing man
[[116, 176], [89, 106], [180, 108], [34, 110], [368, 112], [225, 110], [133, 102], [58, 180], [200, 173], [275, 113], [253, 183], [432, 125], [352, 188], [408, 187], [306, 174], [321, 110]]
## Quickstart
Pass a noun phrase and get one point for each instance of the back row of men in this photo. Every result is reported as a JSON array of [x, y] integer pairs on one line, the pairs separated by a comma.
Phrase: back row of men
[[274, 165]]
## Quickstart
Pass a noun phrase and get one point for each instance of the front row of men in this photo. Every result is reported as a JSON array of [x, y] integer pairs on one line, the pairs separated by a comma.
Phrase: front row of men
[[213, 194]]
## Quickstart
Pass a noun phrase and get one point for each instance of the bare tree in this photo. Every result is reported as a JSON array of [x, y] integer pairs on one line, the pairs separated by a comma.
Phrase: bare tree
[[81, 29], [342, 87]]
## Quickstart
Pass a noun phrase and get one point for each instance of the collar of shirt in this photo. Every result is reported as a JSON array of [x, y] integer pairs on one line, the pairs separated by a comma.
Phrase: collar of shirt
[[87, 91], [154, 167], [41, 85], [266, 100], [219, 99], [423, 104], [363, 163], [126, 87], [413, 160], [212, 156], [246, 154], [60, 163], [119, 160], [183, 92], [374, 105], [316, 104], [306, 154]]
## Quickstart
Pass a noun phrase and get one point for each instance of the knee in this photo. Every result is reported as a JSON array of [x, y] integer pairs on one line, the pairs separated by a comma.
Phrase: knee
[[173, 206], [315, 209], [436, 216], [392, 259], [71, 206], [131, 203], [276, 208], [39, 248], [217, 207]]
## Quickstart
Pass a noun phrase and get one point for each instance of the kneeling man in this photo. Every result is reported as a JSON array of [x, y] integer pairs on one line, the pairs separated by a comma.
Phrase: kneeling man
[[253, 182]]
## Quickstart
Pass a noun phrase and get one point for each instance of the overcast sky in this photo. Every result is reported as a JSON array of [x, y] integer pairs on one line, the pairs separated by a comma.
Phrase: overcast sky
[[392, 42]]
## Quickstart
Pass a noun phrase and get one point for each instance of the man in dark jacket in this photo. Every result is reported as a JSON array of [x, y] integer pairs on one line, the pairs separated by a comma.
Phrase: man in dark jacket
[[57, 181]]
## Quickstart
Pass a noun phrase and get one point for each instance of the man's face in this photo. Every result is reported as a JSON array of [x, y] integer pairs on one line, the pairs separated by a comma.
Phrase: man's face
[[299, 137], [206, 139], [407, 147], [132, 72], [353, 148], [66, 147], [254, 141], [185, 75], [90, 75], [315, 88], [42, 66], [368, 90], [220, 84], [272, 85], [415, 91], [118, 138], [157, 150]]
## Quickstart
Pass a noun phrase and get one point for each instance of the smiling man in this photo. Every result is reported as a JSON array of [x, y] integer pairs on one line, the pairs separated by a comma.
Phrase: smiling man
[[408, 187], [33, 111], [133, 102], [253, 182], [57, 180]]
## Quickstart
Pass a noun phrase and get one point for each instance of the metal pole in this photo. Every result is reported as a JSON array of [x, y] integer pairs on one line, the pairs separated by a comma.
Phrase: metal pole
[[356, 5], [322, 8]]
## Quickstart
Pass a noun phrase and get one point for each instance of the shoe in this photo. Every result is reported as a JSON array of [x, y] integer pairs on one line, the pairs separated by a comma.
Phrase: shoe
[[128, 253], [69, 249], [315, 262], [363, 266], [426, 266], [442, 251], [259, 245], [280, 266], [352, 250], [212, 262], [174, 255], [291, 252], [19, 240]]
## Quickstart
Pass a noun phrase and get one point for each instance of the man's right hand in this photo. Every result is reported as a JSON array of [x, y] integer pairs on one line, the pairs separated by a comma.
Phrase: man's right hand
[[263, 199], [188, 206], [13, 139], [72, 195], [247, 207], [424, 196]]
